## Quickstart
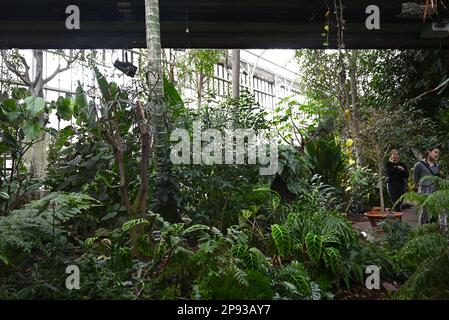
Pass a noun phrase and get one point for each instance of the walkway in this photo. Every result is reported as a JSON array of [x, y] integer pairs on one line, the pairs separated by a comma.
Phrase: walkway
[[409, 216]]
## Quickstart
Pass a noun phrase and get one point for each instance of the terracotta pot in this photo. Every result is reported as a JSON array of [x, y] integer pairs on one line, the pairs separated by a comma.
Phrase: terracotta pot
[[375, 216]]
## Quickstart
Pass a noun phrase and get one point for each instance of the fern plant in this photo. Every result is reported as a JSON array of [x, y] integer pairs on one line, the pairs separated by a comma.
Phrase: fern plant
[[419, 249], [424, 260], [40, 222]]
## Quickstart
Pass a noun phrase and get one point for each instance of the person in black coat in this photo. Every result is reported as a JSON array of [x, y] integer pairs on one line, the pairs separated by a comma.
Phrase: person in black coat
[[397, 176]]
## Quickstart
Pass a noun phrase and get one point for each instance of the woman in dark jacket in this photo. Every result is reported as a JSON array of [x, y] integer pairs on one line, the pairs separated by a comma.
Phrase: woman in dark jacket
[[397, 176]]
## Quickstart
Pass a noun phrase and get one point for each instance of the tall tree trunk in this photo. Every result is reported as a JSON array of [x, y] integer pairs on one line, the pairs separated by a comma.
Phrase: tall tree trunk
[[37, 155], [381, 186], [199, 90], [236, 73], [354, 118], [379, 162], [165, 202]]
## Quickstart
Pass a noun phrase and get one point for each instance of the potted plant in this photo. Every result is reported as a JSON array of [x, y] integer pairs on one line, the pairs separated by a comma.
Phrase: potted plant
[[383, 130]]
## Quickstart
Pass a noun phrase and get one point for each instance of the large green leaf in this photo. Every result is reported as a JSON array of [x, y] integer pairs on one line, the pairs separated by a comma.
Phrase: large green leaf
[[35, 105], [103, 85], [301, 283], [172, 96], [282, 239], [4, 259], [19, 93], [254, 259], [10, 109], [64, 109], [132, 223], [80, 97], [314, 246], [239, 250], [196, 227], [4, 195], [62, 137], [324, 156], [32, 129], [333, 259]]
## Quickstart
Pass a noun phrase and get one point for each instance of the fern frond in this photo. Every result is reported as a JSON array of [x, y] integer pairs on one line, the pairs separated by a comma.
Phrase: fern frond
[[41, 221], [419, 249], [430, 278], [241, 276], [315, 291]]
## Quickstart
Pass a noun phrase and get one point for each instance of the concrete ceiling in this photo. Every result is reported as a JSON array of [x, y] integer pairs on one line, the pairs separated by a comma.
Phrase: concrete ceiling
[[219, 24]]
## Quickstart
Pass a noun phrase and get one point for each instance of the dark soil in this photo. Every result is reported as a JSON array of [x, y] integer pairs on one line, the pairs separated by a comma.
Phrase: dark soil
[[360, 293]]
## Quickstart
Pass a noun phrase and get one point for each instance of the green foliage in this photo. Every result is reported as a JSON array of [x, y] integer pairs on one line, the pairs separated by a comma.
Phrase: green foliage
[[314, 246], [361, 189], [198, 61], [174, 99], [419, 249], [434, 203], [103, 84], [325, 158], [20, 129], [293, 281], [393, 233], [430, 279], [332, 258], [133, 223], [423, 260], [242, 239], [34, 105], [282, 239], [325, 243], [292, 174], [363, 254], [318, 196], [41, 222], [227, 287], [209, 194]]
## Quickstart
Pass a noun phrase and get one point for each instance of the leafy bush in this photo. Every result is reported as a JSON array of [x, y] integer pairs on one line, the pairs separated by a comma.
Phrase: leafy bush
[[361, 189], [393, 233], [325, 158], [41, 222], [225, 286], [419, 249], [424, 260], [294, 281]]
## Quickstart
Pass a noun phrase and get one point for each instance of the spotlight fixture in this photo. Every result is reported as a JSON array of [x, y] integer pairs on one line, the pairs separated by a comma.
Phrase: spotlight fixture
[[126, 67]]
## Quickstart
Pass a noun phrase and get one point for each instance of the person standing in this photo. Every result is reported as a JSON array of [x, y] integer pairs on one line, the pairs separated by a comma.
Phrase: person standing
[[397, 176], [426, 168]]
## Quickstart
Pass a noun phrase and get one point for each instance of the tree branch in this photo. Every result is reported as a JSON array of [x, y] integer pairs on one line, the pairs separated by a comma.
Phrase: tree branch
[[60, 70], [25, 77]]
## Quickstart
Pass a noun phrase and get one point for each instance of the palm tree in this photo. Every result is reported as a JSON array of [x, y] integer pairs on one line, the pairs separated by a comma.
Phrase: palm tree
[[165, 202]]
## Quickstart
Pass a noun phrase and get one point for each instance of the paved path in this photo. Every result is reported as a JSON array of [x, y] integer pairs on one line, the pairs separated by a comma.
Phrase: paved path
[[409, 216]]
